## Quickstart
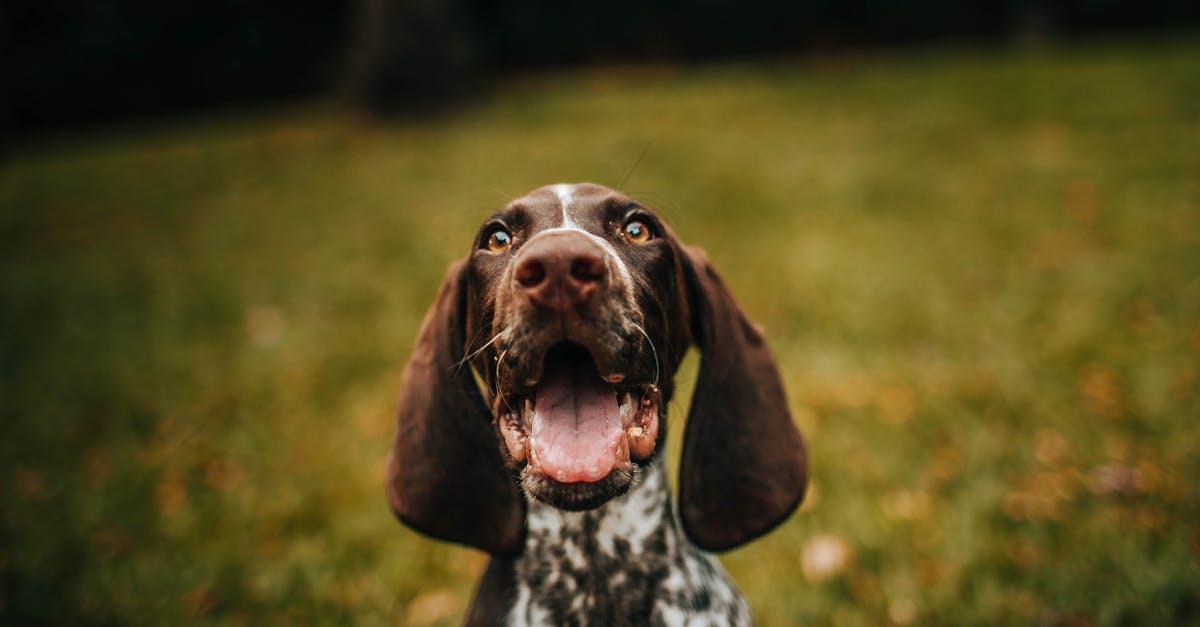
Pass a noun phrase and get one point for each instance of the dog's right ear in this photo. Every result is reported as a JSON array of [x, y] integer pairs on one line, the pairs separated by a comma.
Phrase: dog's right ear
[[445, 476], [744, 467]]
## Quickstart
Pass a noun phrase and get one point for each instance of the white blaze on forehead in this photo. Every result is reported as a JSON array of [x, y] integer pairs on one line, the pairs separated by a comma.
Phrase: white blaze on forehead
[[564, 193]]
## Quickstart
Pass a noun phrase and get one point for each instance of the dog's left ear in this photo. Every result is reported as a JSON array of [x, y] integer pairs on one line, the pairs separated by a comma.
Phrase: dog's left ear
[[744, 467], [445, 476]]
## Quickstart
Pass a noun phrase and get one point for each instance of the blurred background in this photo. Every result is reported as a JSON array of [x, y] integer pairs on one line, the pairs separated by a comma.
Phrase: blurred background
[[972, 233]]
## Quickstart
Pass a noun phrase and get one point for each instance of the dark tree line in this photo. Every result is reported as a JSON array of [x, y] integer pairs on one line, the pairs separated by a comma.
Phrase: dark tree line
[[69, 63]]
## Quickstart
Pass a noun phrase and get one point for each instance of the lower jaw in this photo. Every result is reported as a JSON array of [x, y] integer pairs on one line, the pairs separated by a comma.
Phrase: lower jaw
[[577, 497]]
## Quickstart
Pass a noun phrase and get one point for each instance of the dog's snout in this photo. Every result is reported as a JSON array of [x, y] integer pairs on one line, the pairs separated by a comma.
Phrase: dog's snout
[[560, 270]]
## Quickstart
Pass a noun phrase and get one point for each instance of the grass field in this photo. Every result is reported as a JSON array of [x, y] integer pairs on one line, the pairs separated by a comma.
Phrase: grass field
[[980, 272]]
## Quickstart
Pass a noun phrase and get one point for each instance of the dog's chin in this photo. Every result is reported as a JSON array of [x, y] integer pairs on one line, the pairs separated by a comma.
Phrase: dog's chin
[[582, 496]]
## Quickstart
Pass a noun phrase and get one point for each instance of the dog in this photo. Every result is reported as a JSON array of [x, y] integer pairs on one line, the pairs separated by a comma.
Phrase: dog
[[532, 411]]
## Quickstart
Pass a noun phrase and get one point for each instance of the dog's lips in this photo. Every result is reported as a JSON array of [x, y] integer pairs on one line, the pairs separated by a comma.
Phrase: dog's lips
[[576, 426]]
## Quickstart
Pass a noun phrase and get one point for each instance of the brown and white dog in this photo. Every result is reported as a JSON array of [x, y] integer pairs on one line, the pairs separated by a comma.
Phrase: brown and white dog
[[573, 309]]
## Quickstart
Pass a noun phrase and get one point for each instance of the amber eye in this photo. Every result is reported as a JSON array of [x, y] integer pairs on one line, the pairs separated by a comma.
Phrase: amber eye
[[499, 241], [637, 232]]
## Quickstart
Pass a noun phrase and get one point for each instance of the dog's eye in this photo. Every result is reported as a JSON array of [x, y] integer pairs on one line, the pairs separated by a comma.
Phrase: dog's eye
[[637, 232], [499, 241]]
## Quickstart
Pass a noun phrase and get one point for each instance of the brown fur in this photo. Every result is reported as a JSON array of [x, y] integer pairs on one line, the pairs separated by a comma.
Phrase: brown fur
[[744, 466]]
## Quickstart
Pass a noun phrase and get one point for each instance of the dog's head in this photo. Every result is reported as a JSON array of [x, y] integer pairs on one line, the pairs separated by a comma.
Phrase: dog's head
[[574, 309]]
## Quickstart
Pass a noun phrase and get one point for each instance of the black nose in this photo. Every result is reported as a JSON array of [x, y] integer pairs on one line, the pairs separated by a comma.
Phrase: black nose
[[560, 270]]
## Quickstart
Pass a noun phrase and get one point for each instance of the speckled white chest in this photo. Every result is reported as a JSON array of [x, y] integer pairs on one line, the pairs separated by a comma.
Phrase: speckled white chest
[[626, 562]]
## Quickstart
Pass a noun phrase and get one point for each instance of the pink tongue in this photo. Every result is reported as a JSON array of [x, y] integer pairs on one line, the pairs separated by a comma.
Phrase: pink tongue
[[576, 428]]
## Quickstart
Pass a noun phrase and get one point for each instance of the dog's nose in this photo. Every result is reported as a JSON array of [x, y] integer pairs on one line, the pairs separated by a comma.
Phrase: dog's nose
[[560, 270]]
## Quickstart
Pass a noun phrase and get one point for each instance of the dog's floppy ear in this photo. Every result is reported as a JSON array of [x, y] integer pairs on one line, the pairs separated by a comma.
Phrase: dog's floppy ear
[[445, 476], [744, 467]]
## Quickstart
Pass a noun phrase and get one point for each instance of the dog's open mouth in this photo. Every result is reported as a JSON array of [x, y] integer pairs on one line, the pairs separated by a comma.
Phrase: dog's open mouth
[[573, 427]]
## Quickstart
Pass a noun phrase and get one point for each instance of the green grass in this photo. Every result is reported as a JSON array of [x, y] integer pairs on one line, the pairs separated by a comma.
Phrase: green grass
[[979, 271]]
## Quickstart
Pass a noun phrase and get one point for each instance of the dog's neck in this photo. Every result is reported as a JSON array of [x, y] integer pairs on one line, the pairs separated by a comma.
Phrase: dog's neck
[[625, 562]]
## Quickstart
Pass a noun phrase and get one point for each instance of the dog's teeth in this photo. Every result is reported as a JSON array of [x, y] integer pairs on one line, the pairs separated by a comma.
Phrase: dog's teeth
[[527, 411], [514, 438], [534, 463], [626, 410], [642, 438]]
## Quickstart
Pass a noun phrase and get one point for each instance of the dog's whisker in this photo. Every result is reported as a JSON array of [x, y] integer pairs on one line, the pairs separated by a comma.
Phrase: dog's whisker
[[645, 149], [496, 392], [502, 195], [478, 333], [652, 350], [500, 360], [478, 350]]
